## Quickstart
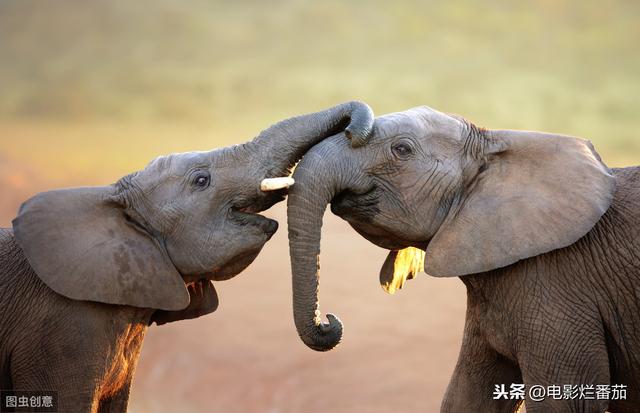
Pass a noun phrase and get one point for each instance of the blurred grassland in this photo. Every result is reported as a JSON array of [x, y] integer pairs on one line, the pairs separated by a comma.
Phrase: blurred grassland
[[91, 90]]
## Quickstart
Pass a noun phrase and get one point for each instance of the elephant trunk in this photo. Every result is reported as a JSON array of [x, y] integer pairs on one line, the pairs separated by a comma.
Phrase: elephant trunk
[[319, 177], [284, 143]]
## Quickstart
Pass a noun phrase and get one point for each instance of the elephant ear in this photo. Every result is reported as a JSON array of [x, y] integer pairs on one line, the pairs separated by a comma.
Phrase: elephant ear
[[400, 266], [203, 300], [82, 245], [536, 193]]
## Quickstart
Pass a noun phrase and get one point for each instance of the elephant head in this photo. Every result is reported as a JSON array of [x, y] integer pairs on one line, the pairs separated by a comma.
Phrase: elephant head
[[157, 237], [434, 187]]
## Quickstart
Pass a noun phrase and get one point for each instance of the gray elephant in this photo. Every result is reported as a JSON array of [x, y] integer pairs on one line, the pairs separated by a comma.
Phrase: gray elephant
[[85, 271], [544, 236]]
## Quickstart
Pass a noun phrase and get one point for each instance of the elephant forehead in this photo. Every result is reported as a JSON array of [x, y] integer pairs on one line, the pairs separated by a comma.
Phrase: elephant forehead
[[399, 123], [167, 169], [179, 163], [419, 121]]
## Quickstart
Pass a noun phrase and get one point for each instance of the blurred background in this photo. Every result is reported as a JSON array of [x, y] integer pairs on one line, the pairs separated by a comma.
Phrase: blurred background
[[93, 90]]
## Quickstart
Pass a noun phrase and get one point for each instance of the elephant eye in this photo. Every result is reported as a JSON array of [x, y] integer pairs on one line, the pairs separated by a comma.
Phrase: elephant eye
[[402, 150], [201, 180]]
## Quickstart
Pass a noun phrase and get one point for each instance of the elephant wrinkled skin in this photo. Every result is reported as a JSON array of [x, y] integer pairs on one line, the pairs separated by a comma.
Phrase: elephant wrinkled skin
[[544, 236]]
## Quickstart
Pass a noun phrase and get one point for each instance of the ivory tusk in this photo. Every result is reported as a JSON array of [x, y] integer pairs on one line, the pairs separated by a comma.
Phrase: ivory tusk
[[272, 184]]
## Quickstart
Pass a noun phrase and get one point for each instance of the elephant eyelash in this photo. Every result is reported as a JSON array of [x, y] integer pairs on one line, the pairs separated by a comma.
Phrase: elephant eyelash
[[403, 149], [200, 180]]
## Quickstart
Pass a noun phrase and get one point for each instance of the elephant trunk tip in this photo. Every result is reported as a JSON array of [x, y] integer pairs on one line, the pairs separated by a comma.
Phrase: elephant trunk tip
[[360, 126], [326, 336]]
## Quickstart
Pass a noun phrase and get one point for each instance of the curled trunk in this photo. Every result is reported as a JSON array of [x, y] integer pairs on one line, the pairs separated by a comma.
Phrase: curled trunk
[[284, 143], [319, 177]]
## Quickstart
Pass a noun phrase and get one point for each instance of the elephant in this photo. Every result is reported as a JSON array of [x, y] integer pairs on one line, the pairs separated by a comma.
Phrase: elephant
[[85, 271], [544, 236]]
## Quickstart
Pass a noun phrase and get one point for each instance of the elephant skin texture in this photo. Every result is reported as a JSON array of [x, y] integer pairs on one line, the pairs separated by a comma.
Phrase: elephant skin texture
[[544, 236], [84, 271]]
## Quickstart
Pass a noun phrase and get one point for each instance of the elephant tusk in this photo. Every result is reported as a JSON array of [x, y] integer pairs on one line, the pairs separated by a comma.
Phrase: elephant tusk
[[272, 184]]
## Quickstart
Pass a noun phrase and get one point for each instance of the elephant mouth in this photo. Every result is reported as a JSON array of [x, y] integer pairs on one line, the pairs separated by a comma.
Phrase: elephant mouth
[[247, 213], [243, 217], [360, 211], [359, 207]]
